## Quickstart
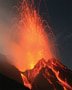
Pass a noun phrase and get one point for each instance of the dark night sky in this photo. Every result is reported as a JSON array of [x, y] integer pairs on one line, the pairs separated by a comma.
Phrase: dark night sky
[[59, 13]]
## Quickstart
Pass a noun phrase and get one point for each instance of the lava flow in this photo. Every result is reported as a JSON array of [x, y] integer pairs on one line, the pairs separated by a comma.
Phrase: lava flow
[[50, 75], [35, 44]]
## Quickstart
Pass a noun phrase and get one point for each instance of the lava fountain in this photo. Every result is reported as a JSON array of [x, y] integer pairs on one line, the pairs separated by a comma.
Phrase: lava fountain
[[35, 50], [34, 43]]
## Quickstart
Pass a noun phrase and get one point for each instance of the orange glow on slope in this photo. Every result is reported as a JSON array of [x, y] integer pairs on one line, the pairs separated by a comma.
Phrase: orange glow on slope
[[53, 66], [26, 83], [34, 43], [65, 85]]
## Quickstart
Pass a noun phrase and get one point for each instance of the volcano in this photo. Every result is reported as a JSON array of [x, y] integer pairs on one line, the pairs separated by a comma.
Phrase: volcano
[[34, 55], [50, 75]]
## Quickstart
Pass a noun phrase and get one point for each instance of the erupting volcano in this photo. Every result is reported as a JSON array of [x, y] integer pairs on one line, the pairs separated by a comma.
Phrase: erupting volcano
[[34, 42], [35, 55], [50, 75]]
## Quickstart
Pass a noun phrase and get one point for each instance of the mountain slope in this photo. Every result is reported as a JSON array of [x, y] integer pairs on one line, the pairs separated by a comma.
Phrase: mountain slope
[[10, 77], [50, 75], [10, 84]]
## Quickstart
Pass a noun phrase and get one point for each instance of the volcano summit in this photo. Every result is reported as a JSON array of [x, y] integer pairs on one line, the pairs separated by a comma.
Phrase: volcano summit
[[51, 75]]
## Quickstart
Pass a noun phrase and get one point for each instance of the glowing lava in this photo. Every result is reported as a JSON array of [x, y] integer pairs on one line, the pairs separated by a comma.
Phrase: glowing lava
[[34, 43], [52, 71]]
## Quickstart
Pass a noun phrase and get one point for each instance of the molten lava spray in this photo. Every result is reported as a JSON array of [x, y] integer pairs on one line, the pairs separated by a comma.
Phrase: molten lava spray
[[34, 43]]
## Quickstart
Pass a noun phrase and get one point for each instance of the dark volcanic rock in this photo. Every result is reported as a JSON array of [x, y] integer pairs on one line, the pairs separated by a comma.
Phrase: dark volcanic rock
[[46, 75], [10, 84], [51, 75], [9, 70], [10, 78]]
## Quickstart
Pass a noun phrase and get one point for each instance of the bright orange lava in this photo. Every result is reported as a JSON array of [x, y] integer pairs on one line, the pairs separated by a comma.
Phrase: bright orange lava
[[52, 65], [34, 43]]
